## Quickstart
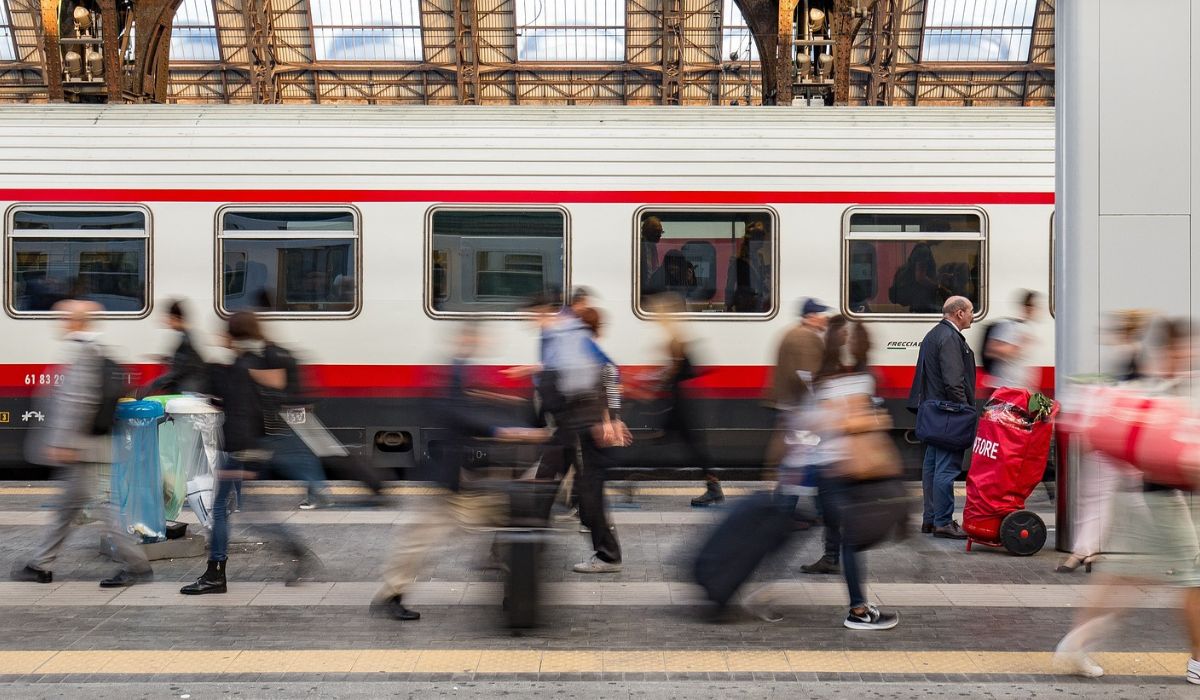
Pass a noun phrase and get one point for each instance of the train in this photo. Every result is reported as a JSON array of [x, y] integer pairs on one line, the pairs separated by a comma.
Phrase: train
[[364, 234]]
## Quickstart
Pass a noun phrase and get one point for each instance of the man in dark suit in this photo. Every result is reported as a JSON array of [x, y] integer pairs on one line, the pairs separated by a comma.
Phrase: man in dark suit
[[945, 372]]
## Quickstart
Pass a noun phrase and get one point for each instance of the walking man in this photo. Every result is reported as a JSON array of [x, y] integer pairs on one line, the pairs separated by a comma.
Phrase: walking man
[[945, 372], [75, 443]]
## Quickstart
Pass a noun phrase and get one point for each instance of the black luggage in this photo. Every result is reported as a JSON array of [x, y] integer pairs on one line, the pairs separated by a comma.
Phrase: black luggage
[[756, 526], [521, 581]]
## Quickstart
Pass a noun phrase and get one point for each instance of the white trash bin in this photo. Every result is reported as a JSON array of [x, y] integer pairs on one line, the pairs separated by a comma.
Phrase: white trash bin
[[198, 438]]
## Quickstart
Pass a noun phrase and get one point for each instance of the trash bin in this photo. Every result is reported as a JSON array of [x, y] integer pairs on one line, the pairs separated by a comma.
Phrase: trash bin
[[136, 477], [197, 447], [173, 475]]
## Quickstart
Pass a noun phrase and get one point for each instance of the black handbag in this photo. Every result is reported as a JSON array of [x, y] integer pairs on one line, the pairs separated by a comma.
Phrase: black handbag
[[946, 424]]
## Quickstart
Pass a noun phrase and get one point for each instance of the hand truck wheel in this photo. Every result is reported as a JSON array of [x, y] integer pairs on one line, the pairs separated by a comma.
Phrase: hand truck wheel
[[1023, 533]]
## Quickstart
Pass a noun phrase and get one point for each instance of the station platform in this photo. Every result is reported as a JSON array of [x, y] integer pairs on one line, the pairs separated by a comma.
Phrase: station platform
[[978, 624]]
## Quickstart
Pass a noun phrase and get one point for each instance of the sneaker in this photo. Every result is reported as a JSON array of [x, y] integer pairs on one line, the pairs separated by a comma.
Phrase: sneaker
[[314, 502], [1078, 663], [871, 619], [1070, 657], [596, 565], [824, 565], [1193, 672]]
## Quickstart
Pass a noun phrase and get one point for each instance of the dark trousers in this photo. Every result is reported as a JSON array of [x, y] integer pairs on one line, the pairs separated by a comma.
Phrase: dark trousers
[[683, 425], [833, 493], [591, 473], [218, 544], [827, 498]]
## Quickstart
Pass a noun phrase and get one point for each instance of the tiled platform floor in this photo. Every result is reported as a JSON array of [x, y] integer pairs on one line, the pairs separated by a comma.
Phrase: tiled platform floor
[[973, 624]]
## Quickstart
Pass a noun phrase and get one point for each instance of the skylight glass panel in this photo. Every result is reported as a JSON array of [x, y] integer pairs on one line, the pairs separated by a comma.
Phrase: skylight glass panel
[[570, 30], [367, 30], [194, 32], [8, 46], [978, 30], [735, 34]]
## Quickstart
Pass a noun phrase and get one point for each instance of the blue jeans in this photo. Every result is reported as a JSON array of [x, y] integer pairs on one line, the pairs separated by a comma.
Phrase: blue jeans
[[937, 484], [218, 546], [291, 459], [853, 572]]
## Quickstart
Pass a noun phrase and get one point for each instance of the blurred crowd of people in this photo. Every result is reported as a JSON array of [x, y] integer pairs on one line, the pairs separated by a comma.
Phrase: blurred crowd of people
[[831, 455]]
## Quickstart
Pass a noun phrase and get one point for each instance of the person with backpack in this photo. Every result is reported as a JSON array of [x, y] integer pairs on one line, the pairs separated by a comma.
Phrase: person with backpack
[[242, 389], [186, 370], [77, 441], [1006, 345]]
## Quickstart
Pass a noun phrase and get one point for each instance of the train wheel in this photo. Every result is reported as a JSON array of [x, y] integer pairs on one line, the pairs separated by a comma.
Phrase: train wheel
[[1023, 533]]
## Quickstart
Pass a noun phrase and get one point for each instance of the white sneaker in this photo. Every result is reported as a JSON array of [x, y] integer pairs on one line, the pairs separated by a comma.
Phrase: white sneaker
[[569, 516], [1193, 672], [1070, 658], [596, 565]]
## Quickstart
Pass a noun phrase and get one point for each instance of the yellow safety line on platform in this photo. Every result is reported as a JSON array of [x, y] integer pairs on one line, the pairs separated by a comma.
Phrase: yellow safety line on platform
[[504, 661], [428, 490]]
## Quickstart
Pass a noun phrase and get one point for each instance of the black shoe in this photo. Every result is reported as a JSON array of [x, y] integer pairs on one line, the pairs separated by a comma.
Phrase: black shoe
[[211, 581], [126, 578], [950, 532], [712, 494], [394, 608], [926, 528], [32, 575], [824, 565]]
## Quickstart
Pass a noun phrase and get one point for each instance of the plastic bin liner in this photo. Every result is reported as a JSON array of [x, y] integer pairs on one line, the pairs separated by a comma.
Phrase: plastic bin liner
[[174, 477], [197, 426], [136, 478]]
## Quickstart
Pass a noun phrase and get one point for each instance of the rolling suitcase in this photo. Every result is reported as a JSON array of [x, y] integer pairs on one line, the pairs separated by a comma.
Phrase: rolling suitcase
[[756, 526]]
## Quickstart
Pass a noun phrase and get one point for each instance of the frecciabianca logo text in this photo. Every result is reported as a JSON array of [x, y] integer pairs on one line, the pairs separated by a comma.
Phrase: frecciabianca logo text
[[903, 344]]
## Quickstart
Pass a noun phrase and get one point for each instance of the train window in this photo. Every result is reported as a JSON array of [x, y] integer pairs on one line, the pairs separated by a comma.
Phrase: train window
[[491, 261], [910, 262], [97, 254], [716, 262], [300, 262]]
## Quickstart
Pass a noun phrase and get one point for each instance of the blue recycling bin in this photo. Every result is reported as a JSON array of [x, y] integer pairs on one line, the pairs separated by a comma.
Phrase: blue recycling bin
[[137, 484]]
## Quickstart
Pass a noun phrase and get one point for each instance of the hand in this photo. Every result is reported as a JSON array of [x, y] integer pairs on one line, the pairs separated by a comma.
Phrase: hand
[[521, 371], [62, 455]]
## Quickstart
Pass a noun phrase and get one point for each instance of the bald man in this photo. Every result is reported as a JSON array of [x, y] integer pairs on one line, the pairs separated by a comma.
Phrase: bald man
[[945, 372], [68, 443]]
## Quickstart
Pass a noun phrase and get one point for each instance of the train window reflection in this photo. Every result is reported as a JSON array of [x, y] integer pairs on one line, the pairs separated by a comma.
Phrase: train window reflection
[[719, 262], [98, 255], [289, 262], [492, 261], [911, 262]]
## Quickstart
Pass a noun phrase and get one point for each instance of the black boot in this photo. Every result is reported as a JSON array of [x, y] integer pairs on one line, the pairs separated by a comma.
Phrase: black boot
[[211, 581], [712, 494], [824, 565]]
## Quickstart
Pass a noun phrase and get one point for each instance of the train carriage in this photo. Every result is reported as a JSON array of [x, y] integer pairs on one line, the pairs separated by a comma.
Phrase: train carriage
[[365, 233]]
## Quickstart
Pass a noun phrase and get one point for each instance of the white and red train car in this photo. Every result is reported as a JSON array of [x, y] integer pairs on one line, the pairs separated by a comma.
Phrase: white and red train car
[[364, 233]]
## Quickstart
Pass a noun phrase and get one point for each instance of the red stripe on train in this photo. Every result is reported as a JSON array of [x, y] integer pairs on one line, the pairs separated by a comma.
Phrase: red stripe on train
[[276, 196], [409, 381]]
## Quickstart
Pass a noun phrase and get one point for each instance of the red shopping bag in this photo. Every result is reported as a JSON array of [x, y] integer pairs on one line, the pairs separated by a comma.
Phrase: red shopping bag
[[1008, 459]]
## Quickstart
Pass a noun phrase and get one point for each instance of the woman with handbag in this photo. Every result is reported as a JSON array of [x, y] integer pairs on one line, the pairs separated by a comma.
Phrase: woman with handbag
[[861, 495]]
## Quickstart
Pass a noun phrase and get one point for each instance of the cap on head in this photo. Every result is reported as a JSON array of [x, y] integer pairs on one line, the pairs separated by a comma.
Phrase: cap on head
[[812, 306]]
